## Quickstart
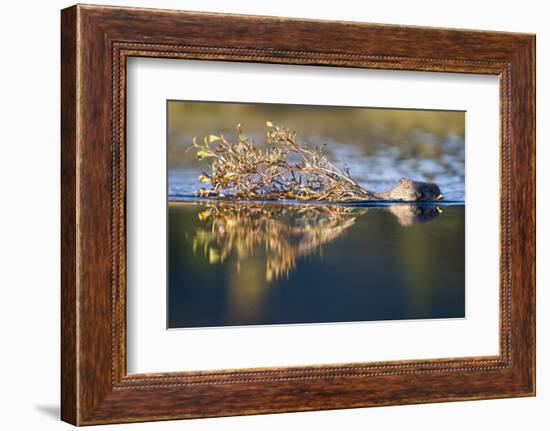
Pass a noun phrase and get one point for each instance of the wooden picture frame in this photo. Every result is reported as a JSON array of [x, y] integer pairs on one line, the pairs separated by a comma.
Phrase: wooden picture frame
[[95, 43]]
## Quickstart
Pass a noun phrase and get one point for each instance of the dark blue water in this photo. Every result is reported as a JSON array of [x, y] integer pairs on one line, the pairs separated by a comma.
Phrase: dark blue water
[[265, 263]]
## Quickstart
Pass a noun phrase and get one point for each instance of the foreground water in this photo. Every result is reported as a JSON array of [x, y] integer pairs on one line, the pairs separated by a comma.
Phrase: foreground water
[[267, 263]]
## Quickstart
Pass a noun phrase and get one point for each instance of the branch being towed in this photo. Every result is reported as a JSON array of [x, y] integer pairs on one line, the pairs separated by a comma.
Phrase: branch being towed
[[284, 169]]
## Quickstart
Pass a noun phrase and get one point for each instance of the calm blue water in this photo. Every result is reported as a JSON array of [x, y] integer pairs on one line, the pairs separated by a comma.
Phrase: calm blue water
[[265, 263]]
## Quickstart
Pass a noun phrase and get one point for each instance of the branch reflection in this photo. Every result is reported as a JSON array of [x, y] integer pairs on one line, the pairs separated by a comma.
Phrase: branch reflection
[[281, 234]]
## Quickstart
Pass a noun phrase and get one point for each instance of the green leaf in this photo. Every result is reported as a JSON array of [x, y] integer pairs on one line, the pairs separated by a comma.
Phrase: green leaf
[[203, 153]]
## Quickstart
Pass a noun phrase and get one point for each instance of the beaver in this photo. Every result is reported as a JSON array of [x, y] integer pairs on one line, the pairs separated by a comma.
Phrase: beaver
[[408, 190], [290, 170]]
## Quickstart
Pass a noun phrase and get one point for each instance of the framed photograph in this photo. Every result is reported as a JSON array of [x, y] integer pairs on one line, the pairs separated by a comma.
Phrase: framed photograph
[[264, 215]]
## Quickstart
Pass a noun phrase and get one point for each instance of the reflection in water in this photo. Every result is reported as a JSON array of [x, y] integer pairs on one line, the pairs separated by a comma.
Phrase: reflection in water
[[408, 215], [251, 263], [284, 233]]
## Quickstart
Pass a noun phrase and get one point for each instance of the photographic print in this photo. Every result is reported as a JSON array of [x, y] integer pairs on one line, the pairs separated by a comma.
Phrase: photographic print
[[285, 214], [263, 222]]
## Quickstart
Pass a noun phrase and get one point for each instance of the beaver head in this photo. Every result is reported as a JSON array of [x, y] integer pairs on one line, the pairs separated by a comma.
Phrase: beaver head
[[410, 190]]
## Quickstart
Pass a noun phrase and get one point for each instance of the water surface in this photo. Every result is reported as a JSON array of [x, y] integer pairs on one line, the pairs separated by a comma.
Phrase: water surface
[[264, 263]]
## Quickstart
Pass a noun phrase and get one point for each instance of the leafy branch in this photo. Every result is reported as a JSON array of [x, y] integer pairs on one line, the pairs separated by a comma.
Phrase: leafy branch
[[284, 169]]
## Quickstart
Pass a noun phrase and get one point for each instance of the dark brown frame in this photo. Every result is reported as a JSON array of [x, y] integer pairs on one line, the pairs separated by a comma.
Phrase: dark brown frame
[[96, 41]]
